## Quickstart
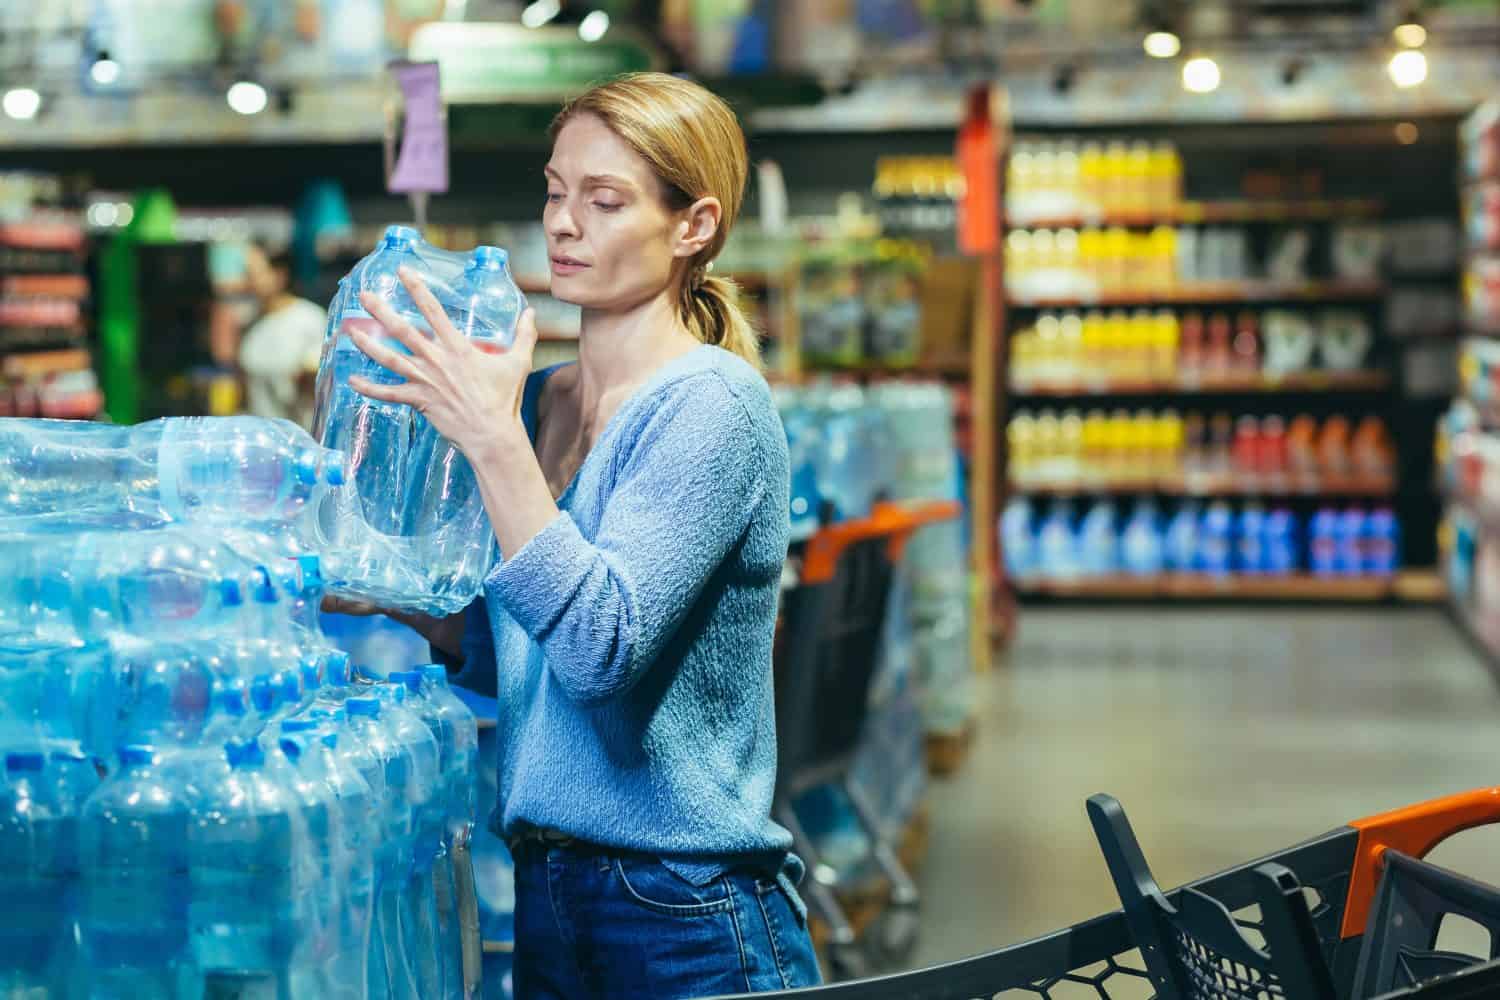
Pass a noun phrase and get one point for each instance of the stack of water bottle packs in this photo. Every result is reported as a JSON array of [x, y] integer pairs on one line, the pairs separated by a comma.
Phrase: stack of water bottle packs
[[199, 796], [851, 447]]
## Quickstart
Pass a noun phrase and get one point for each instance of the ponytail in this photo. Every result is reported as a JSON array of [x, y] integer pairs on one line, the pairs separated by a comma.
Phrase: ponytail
[[711, 311]]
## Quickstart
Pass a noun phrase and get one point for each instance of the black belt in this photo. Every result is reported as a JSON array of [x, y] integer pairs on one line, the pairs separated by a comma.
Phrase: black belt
[[542, 837]]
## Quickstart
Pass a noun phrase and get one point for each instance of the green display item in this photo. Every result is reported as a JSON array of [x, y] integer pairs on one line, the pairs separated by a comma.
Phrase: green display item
[[154, 222], [496, 63]]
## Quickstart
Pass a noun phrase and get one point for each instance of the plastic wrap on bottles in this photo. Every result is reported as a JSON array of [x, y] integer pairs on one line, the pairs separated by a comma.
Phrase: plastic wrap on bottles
[[412, 533]]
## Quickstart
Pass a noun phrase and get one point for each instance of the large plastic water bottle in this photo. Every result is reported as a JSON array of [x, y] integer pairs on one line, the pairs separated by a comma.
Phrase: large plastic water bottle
[[445, 514], [1018, 539], [36, 879], [457, 732], [312, 746], [374, 435], [1098, 540], [1182, 539], [322, 890], [425, 797], [73, 777], [134, 921], [179, 468], [1056, 544], [247, 848], [1142, 547], [390, 973]]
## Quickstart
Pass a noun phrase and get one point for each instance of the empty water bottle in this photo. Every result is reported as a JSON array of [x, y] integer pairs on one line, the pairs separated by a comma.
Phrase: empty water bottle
[[134, 920], [178, 468]]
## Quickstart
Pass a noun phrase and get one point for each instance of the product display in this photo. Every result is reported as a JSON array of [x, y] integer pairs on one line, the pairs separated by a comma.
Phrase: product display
[[1168, 452], [430, 543]]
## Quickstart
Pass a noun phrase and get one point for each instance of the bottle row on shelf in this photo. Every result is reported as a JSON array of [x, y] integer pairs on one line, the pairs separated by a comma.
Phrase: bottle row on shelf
[[1171, 453], [862, 305], [1092, 180], [1164, 349], [1044, 264], [1068, 543]]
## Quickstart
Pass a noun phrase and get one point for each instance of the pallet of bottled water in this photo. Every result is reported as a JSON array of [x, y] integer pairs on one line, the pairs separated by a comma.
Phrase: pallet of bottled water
[[199, 797]]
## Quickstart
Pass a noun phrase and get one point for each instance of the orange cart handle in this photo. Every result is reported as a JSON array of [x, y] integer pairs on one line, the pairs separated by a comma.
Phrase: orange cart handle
[[1414, 830], [886, 520]]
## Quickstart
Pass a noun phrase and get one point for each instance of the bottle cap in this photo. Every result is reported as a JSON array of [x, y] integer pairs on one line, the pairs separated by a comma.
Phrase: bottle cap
[[401, 236], [299, 725], [486, 258], [330, 740], [328, 714], [231, 595], [137, 756], [363, 708], [244, 753], [333, 474], [305, 468], [232, 700], [24, 760], [290, 749], [435, 672], [337, 672], [312, 572], [410, 679], [262, 694], [264, 591]]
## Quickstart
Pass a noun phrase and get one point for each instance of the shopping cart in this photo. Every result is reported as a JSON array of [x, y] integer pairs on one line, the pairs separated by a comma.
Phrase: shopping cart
[[1309, 909], [830, 628]]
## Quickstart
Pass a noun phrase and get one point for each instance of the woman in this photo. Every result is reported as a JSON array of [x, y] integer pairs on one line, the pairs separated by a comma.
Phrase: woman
[[639, 499], [279, 353]]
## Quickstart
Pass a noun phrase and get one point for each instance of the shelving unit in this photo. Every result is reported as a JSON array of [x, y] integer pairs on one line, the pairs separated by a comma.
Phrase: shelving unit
[[1204, 587], [1372, 380], [1213, 486], [1226, 293]]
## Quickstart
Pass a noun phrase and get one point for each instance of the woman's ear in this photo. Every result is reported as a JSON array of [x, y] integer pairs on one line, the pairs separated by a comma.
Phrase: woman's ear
[[700, 225]]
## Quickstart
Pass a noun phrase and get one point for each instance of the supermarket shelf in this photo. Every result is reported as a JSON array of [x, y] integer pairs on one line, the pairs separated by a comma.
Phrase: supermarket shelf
[[1341, 486], [1251, 382], [50, 286], [1217, 293], [42, 235], [42, 363], [1206, 587], [1213, 212]]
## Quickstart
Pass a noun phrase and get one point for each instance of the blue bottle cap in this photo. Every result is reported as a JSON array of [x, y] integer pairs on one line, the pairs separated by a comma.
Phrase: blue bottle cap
[[363, 707], [400, 236], [311, 568], [232, 701], [291, 749], [336, 674], [486, 258], [335, 715], [244, 753], [334, 474], [231, 594], [312, 672], [435, 672], [264, 590], [25, 760], [137, 756], [330, 740], [299, 725], [409, 679], [305, 468], [263, 694], [289, 686]]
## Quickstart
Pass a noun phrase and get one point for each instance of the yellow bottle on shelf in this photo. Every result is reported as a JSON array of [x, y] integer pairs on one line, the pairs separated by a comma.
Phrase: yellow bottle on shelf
[[1048, 348], [1095, 444], [1138, 180], [1070, 463], [1048, 433], [1023, 356], [1117, 446], [1169, 435], [1091, 180], [1117, 346], [1020, 438], [1095, 347], [1072, 365], [1116, 177]]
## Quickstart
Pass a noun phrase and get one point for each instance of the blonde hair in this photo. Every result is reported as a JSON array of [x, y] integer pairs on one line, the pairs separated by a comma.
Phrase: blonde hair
[[694, 144]]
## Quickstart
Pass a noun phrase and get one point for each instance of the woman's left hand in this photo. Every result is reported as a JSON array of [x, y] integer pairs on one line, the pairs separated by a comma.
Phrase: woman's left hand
[[471, 396]]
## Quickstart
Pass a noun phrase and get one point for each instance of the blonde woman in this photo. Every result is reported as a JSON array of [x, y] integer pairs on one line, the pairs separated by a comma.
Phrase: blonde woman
[[639, 498]]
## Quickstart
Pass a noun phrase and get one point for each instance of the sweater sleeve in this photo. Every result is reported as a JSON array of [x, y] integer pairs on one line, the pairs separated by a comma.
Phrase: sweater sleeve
[[602, 611]]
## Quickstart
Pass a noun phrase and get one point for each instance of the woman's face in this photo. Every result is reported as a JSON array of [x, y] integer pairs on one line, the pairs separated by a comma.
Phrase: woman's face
[[610, 237]]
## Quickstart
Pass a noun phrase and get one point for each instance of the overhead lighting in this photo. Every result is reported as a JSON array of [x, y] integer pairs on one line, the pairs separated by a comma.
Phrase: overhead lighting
[[593, 26], [105, 71], [21, 103], [540, 12], [1162, 44], [247, 97], [1200, 75], [1410, 35], [1408, 68]]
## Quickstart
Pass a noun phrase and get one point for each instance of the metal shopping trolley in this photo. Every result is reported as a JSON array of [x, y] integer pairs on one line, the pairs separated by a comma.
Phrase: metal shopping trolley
[[1354, 911], [826, 648]]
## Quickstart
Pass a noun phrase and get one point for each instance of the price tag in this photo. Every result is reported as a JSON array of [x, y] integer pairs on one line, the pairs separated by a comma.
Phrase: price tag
[[422, 165]]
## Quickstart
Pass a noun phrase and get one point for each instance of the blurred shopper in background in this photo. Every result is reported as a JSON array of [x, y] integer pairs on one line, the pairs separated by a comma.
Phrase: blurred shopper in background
[[279, 352]]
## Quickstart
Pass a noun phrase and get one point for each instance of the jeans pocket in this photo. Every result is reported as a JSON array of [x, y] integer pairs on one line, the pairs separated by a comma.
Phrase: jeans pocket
[[791, 945], [651, 884]]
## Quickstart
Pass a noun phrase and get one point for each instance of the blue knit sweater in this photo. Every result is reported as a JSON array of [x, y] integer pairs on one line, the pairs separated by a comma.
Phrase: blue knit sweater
[[629, 642]]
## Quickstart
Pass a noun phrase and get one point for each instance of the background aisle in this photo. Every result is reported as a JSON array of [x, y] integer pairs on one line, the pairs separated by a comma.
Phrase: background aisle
[[1226, 736]]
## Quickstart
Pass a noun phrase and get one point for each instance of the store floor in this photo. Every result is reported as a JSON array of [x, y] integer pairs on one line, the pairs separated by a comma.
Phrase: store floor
[[1227, 734]]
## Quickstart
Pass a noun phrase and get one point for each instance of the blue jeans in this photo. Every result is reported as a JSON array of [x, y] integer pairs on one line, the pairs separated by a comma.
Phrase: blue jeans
[[594, 924]]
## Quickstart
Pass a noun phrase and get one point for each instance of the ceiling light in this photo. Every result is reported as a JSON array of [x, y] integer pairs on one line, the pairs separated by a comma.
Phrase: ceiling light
[[247, 97], [21, 103], [540, 12], [1410, 34], [1162, 44], [593, 26], [1200, 75], [105, 70], [1408, 68]]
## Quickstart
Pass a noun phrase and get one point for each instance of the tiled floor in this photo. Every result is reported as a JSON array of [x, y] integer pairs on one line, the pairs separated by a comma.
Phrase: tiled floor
[[1227, 734]]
